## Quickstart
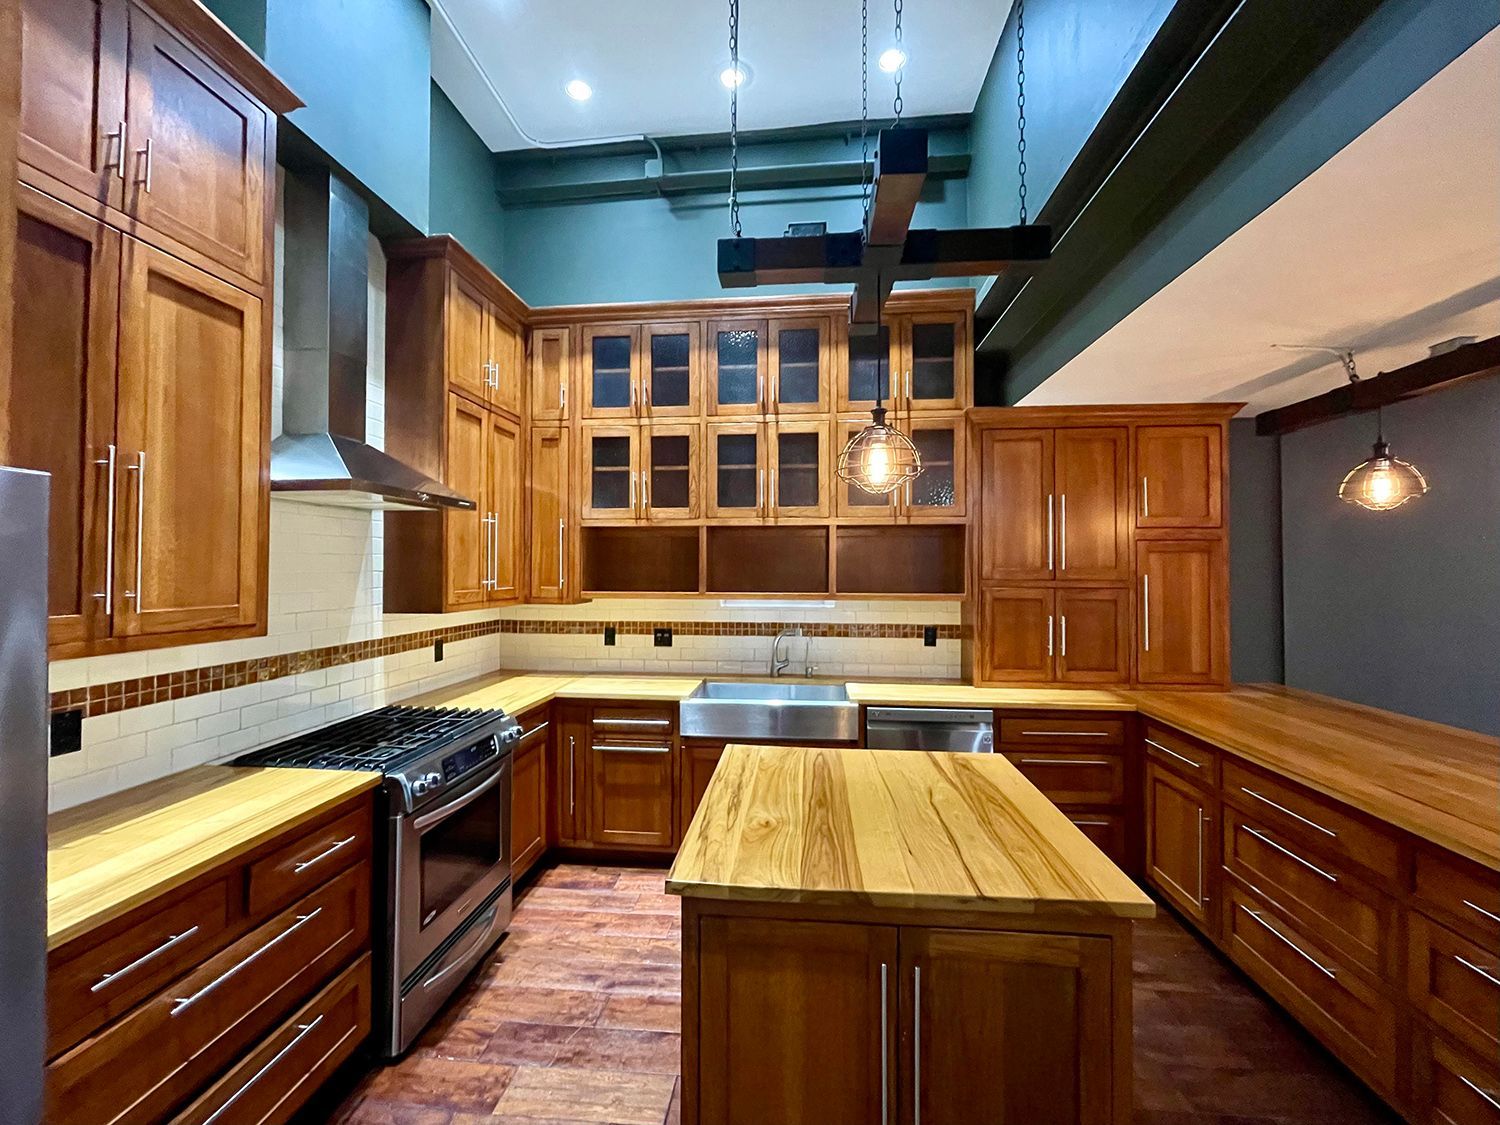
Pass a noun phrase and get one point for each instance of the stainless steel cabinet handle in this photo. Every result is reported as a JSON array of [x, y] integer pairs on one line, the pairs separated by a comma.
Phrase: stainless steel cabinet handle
[[572, 776], [1175, 754], [632, 722], [908, 387], [183, 1003], [885, 1045], [645, 492], [109, 461], [602, 748], [1309, 958], [771, 496], [1050, 537], [1263, 838], [495, 556], [1063, 629], [916, 1044], [109, 978], [485, 583], [114, 143], [145, 154], [1092, 823], [562, 574], [1295, 816], [1481, 910], [1487, 974], [1145, 498], [562, 396], [1062, 762], [1201, 899], [760, 491], [1062, 528], [303, 1031], [1049, 634], [1146, 611], [632, 492], [1487, 1095], [139, 469], [298, 869], [1064, 734]]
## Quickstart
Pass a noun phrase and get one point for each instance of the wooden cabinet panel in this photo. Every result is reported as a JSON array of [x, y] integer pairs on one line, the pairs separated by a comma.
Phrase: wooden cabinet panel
[[1062, 730], [934, 361], [196, 165], [466, 342], [672, 370], [504, 492], [1184, 613], [1178, 476], [1180, 844], [871, 369], [1106, 831], [1457, 1087], [632, 790], [940, 492], [736, 368], [466, 569], [1073, 777], [736, 470], [547, 488], [1187, 757], [1093, 635], [192, 433], [611, 472], [551, 373], [528, 804], [699, 760], [611, 371], [72, 123], [572, 757], [1016, 531], [1466, 894], [1093, 498], [778, 993], [296, 869], [1017, 630], [800, 472], [1455, 983], [60, 410], [671, 460], [507, 365], [798, 357], [1005, 1028]]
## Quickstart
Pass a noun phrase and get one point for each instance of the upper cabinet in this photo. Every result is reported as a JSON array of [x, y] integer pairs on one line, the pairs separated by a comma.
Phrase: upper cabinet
[[798, 356], [916, 362], [737, 368], [611, 371], [1179, 474], [551, 373], [671, 371]]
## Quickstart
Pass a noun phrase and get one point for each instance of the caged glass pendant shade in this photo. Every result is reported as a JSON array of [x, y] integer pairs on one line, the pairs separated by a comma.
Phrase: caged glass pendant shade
[[1382, 482], [879, 459]]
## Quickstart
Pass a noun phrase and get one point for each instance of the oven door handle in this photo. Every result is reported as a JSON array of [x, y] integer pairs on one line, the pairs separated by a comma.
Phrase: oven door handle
[[427, 820]]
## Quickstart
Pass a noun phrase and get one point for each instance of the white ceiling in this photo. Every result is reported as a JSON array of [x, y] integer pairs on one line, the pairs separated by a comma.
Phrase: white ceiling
[[654, 64], [1392, 245]]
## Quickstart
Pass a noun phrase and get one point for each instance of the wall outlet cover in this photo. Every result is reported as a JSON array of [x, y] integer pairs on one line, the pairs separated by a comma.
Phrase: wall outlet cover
[[609, 634], [663, 638], [67, 732], [929, 636], [437, 651]]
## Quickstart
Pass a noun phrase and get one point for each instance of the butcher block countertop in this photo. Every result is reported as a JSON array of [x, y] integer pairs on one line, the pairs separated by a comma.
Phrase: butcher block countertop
[[919, 694], [892, 828], [109, 856], [518, 692]]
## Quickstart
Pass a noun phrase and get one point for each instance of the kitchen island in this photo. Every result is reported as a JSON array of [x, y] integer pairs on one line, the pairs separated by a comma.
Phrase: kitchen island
[[892, 936]]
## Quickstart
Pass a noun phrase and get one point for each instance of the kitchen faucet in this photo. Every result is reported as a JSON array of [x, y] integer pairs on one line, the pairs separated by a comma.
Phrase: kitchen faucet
[[780, 666]]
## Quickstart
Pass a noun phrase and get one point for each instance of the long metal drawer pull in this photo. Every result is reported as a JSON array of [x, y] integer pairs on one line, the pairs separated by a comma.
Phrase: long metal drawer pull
[[534, 730], [1487, 974], [1092, 823], [1065, 734], [303, 1031], [1049, 634], [1493, 1099], [602, 749], [139, 468], [1175, 754], [916, 1044], [885, 1045], [114, 142], [1311, 960], [1146, 611], [108, 461], [306, 863], [1481, 910], [1290, 813], [633, 722], [1263, 838], [1201, 897], [108, 978], [183, 1003], [1060, 762], [1062, 622]]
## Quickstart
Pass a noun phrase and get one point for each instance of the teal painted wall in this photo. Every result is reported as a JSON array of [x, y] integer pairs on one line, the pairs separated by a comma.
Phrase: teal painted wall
[[1401, 46], [461, 196], [246, 18]]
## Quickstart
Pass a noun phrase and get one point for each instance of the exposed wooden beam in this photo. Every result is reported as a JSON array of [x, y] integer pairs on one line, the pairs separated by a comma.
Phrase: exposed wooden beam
[[1423, 377], [900, 172]]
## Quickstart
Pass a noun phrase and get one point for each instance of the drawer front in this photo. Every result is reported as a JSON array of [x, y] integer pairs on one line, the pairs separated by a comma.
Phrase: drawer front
[[1318, 823], [1314, 985], [1182, 755], [296, 869], [1321, 894], [1073, 777], [635, 721], [87, 991], [1460, 1089], [1456, 982], [151, 1061], [1062, 730], [1467, 893], [1106, 831], [275, 1078]]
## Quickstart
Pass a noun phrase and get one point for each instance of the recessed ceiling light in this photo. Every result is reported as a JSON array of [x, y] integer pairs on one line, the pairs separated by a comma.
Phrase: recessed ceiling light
[[579, 90], [892, 59], [734, 78]]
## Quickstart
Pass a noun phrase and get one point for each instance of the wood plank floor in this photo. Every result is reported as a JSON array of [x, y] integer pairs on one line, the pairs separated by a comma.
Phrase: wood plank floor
[[575, 1022]]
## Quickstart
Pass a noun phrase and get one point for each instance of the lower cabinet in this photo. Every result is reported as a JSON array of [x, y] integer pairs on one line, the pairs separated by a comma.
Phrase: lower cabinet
[[616, 771], [570, 748], [699, 760], [1180, 843], [528, 801], [1457, 1086]]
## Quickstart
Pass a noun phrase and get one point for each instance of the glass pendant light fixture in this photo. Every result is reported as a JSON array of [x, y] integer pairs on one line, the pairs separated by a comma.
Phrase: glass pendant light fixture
[[1382, 482]]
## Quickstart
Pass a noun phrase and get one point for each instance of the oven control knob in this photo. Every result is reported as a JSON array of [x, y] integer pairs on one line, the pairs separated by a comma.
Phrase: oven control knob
[[433, 780], [419, 787]]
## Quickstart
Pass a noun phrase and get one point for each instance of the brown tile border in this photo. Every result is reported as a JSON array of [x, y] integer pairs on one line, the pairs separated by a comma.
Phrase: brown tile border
[[120, 695]]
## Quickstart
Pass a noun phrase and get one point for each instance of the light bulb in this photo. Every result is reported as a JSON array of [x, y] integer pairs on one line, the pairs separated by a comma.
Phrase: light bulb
[[579, 90], [892, 59], [733, 77], [878, 464], [1382, 486]]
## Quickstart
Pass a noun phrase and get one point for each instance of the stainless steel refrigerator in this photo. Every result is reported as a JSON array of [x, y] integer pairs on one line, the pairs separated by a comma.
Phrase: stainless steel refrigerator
[[23, 792]]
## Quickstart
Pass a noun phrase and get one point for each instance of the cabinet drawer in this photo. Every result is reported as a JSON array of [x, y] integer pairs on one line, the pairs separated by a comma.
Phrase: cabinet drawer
[[1073, 777], [635, 721], [1106, 831], [1321, 894], [1184, 756], [152, 1060], [314, 858], [1314, 985], [1459, 1088], [1315, 821], [1466, 892], [1062, 731], [1456, 982], [270, 1083], [87, 991]]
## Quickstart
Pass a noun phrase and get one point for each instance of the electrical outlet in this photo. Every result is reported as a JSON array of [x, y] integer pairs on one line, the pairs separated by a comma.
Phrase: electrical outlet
[[929, 636], [437, 651], [67, 733], [609, 634], [663, 638]]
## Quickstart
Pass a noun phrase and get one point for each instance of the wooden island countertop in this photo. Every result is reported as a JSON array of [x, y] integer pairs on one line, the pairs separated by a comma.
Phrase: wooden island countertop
[[897, 829]]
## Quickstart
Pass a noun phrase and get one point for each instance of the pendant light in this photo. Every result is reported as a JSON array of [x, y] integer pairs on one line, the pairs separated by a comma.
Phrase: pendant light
[[1382, 482]]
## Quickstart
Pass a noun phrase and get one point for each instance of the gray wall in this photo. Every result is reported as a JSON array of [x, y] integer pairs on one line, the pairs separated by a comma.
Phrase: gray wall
[[1255, 628], [1401, 609]]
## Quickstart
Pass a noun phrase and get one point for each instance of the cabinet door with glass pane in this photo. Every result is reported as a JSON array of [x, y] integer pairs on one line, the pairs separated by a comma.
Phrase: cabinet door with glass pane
[[849, 500], [938, 494], [934, 361], [800, 470], [736, 470], [797, 352], [611, 467], [670, 460], [736, 368], [871, 368], [611, 371], [672, 370]]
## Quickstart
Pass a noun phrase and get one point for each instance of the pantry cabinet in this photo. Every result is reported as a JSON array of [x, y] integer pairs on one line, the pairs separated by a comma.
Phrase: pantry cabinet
[[548, 493], [551, 361], [1184, 605], [1177, 476]]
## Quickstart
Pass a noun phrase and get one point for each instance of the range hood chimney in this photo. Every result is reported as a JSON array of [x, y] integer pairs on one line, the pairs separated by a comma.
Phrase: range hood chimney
[[321, 456]]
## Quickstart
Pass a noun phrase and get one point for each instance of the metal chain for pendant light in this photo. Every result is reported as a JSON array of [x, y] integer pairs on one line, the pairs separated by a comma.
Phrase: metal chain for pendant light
[[900, 70], [734, 117], [864, 106], [1020, 98]]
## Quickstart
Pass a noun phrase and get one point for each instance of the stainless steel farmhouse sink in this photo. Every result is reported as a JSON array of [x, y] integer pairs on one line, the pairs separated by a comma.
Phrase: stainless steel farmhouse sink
[[771, 712]]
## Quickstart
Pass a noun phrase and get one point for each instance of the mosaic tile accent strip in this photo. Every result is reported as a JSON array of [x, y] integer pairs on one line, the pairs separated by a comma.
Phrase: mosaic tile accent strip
[[121, 695]]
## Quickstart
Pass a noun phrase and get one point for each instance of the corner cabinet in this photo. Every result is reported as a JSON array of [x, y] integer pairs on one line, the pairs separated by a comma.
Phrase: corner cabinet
[[142, 374]]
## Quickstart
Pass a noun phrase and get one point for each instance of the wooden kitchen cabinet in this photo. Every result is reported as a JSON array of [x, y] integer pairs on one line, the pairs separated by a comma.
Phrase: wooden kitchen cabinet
[[466, 339], [503, 491], [548, 490], [570, 746], [1041, 634], [551, 362], [466, 534], [670, 467], [1183, 627], [800, 472], [1015, 535], [671, 370], [611, 371], [737, 369], [939, 493], [699, 760], [1093, 504], [632, 769], [798, 354], [1179, 474], [1181, 826], [528, 803], [736, 470], [611, 472], [851, 503], [919, 361], [1093, 635], [1017, 631]]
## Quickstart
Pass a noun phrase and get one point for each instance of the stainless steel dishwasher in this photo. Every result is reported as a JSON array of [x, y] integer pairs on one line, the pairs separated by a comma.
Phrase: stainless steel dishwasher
[[962, 730]]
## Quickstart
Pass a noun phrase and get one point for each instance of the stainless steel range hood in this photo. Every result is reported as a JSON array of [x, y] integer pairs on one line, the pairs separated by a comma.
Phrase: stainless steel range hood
[[322, 456]]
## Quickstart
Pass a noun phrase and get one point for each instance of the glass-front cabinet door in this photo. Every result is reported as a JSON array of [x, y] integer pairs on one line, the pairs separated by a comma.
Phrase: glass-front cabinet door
[[736, 470], [934, 367], [797, 352], [800, 470], [611, 371], [669, 471], [871, 368], [939, 492], [672, 356], [611, 485], [850, 501], [737, 367]]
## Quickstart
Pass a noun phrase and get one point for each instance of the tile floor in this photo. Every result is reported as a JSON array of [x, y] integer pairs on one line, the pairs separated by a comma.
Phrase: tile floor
[[575, 1022]]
